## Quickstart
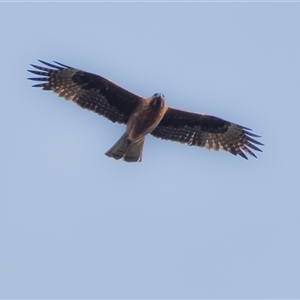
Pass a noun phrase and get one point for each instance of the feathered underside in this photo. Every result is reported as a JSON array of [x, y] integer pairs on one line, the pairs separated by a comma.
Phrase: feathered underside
[[206, 131], [88, 90]]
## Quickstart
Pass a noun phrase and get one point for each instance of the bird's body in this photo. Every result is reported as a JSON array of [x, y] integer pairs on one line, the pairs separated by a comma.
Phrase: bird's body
[[143, 120], [143, 116]]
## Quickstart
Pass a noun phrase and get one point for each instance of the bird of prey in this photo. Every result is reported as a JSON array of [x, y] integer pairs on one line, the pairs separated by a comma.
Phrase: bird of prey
[[142, 115]]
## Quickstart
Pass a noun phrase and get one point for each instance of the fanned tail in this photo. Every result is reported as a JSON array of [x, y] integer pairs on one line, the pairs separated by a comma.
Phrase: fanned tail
[[124, 148]]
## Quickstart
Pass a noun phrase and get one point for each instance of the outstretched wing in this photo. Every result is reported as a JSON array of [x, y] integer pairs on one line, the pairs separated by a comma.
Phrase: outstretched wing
[[206, 131], [88, 90]]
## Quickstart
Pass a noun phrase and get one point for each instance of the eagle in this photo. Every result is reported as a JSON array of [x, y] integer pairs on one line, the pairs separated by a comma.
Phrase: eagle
[[142, 115]]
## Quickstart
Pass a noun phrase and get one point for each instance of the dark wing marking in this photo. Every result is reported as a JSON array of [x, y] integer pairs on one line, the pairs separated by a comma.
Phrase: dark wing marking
[[88, 90], [206, 131]]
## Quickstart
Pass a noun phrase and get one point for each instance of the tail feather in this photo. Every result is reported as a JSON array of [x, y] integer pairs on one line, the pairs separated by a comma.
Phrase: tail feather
[[134, 151], [124, 148], [119, 148]]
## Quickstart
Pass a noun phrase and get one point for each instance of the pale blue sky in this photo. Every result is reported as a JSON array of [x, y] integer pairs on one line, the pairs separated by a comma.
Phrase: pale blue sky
[[184, 223]]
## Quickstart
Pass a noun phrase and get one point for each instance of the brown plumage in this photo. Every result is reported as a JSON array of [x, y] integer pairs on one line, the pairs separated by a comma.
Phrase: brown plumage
[[143, 115]]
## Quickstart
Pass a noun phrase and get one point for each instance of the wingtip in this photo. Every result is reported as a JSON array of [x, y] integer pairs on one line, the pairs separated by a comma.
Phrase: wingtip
[[50, 65], [39, 85], [42, 61], [63, 65], [242, 154]]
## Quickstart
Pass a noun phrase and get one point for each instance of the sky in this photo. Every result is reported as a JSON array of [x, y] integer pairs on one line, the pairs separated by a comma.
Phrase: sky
[[185, 222]]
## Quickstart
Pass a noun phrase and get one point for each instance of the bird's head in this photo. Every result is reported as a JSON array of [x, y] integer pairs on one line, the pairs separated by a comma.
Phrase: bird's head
[[158, 100]]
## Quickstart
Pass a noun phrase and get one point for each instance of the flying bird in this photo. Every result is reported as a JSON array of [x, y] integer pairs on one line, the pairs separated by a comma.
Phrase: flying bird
[[142, 115]]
